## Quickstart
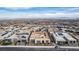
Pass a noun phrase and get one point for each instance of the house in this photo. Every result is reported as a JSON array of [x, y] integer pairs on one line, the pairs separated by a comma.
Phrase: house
[[39, 38], [71, 41], [59, 39]]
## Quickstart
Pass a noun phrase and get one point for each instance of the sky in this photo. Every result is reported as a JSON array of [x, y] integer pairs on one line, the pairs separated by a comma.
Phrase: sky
[[39, 12]]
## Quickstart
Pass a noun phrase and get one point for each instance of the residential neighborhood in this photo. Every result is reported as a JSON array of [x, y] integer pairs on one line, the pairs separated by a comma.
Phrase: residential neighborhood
[[41, 34]]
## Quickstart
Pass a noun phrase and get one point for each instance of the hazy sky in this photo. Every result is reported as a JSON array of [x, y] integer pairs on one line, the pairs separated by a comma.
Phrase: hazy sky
[[37, 12]]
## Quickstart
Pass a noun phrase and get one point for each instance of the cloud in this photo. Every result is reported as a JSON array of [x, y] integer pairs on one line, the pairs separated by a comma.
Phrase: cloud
[[39, 9], [71, 9], [38, 12], [17, 8], [44, 15]]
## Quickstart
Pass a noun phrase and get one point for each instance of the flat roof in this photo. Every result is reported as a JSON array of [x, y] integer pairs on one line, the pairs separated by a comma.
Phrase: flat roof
[[6, 35], [39, 36], [58, 38], [13, 36], [76, 36], [69, 37], [1, 37]]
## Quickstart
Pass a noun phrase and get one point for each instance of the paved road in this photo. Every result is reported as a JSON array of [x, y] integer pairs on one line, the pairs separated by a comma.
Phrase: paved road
[[36, 49]]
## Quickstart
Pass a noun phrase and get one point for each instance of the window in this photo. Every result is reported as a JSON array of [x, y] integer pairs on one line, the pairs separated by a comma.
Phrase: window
[[23, 40], [70, 41], [42, 41], [60, 43], [33, 41], [60, 34], [38, 42], [47, 41], [73, 41], [66, 42], [23, 36]]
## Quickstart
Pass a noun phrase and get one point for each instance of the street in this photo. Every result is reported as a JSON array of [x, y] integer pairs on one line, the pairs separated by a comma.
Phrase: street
[[36, 49]]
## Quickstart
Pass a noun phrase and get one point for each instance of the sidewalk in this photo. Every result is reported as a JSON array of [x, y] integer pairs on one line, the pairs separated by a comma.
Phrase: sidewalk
[[31, 46]]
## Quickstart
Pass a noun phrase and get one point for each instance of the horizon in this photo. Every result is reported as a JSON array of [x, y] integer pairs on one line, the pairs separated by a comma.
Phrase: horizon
[[39, 12]]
